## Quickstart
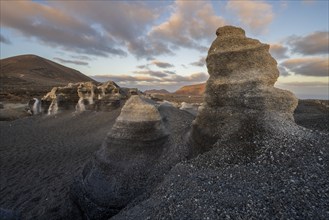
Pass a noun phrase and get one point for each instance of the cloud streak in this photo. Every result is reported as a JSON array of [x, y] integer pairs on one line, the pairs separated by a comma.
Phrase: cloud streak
[[76, 62], [308, 66], [160, 64], [201, 62], [278, 51], [4, 40], [315, 43]]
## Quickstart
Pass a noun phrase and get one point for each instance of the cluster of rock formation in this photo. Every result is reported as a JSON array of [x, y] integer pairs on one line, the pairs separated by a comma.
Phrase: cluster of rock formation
[[240, 97], [83, 96], [254, 155]]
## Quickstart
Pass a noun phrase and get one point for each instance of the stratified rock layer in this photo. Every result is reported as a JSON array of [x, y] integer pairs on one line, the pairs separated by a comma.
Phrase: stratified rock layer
[[132, 159], [240, 91]]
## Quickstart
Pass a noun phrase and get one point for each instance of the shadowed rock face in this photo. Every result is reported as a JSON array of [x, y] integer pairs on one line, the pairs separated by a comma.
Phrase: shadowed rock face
[[121, 168], [240, 91]]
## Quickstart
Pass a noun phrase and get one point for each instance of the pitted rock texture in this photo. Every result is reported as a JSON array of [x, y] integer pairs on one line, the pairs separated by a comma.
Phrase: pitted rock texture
[[136, 154], [240, 90]]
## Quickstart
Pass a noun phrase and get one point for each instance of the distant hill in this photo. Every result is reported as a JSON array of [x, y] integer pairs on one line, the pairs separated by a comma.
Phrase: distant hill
[[158, 91], [197, 89], [33, 74]]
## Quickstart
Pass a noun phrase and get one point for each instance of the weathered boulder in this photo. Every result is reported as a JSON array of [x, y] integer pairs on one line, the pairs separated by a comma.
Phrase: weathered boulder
[[240, 98]]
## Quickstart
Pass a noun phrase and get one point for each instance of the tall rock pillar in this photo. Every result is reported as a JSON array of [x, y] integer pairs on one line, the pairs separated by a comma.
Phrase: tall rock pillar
[[240, 98]]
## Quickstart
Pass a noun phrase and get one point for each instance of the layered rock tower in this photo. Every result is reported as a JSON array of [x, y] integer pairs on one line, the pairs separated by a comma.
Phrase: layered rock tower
[[120, 170], [240, 98]]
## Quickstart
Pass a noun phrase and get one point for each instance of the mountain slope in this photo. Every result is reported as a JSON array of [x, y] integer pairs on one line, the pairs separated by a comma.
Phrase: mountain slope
[[197, 89], [26, 76], [35, 71]]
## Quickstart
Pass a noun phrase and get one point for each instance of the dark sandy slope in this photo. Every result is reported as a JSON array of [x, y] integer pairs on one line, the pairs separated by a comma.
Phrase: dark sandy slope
[[41, 155]]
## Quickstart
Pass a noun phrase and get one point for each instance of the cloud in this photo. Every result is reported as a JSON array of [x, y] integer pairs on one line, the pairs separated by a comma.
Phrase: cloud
[[313, 44], [160, 64], [283, 71], [278, 51], [190, 23], [81, 57], [127, 23], [308, 66], [76, 62], [201, 62], [4, 40], [169, 72], [255, 15], [55, 28], [168, 79], [142, 66], [152, 73]]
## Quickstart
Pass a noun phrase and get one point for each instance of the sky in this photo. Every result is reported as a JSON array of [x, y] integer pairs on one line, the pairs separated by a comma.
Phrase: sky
[[163, 44]]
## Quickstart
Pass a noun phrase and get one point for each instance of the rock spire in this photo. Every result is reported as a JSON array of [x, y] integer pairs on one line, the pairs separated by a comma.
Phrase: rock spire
[[240, 98]]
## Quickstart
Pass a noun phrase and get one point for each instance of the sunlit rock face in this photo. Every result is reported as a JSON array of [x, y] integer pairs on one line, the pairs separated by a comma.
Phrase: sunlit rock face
[[83, 96], [121, 168], [240, 98], [109, 95], [61, 98]]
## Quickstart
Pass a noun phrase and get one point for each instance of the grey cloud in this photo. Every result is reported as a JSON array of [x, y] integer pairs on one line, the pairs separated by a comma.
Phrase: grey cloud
[[317, 66], [125, 22], [283, 71], [142, 66], [55, 28], [201, 62], [4, 40], [169, 72], [278, 51], [152, 73], [105, 28], [76, 62], [81, 57], [160, 64], [312, 44]]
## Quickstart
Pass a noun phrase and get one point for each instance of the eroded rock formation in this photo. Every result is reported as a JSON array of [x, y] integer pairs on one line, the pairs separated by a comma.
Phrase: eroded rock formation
[[121, 168], [240, 97], [83, 96]]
